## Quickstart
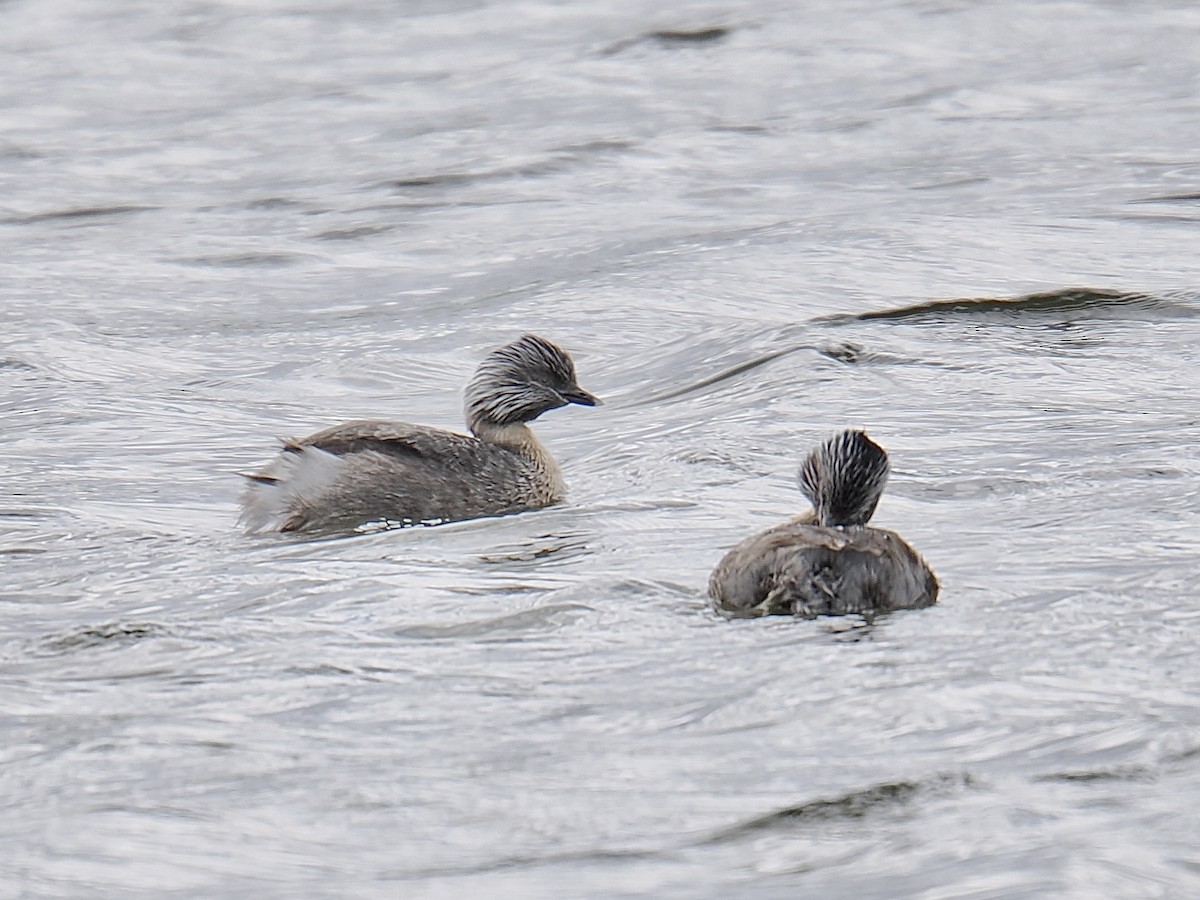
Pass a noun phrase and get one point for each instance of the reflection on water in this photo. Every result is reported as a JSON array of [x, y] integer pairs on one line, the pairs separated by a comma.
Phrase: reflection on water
[[967, 228]]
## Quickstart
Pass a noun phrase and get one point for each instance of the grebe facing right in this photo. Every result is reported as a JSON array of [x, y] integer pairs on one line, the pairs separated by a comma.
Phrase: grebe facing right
[[394, 472], [828, 561]]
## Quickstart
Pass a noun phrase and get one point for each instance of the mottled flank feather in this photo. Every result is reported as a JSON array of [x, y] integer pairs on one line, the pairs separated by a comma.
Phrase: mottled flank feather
[[394, 473], [828, 561]]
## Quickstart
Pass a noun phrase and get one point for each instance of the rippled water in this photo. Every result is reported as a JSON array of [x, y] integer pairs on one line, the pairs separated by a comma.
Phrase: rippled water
[[970, 228]]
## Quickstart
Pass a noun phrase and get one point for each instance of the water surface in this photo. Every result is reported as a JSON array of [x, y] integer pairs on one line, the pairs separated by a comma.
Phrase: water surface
[[971, 229]]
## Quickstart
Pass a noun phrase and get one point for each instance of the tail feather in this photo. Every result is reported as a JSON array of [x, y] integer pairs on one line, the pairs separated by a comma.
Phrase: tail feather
[[844, 478], [279, 497], [259, 478]]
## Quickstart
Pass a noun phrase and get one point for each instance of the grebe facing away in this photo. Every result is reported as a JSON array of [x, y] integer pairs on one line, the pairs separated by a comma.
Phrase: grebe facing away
[[370, 471], [827, 562]]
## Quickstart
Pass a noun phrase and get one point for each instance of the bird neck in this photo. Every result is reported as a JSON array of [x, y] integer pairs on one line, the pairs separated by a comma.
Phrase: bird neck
[[519, 438], [516, 436]]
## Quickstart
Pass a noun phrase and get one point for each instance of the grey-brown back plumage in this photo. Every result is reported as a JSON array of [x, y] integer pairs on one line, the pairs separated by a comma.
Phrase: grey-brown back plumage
[[828, 562], [394, 472]]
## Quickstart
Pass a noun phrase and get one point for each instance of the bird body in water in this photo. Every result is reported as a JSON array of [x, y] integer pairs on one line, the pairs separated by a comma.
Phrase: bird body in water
[[828, 561], [397, 473]]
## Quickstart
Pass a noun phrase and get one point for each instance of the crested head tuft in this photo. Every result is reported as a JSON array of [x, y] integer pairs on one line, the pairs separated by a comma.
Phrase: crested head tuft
[[844, 478], [520, 381]]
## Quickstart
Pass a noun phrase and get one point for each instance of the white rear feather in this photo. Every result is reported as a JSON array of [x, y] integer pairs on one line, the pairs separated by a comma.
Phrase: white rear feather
[[301, 477]]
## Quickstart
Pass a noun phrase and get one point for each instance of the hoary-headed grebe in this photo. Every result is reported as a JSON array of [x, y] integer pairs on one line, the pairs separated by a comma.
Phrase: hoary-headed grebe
[[401, 474], [828, 561]]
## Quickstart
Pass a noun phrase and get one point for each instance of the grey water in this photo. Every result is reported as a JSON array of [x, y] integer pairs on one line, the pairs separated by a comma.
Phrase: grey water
[[969, 228]]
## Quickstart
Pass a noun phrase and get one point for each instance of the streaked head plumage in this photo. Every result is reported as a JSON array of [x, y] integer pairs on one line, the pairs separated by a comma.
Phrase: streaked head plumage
[[844, 478], [520, 381]]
